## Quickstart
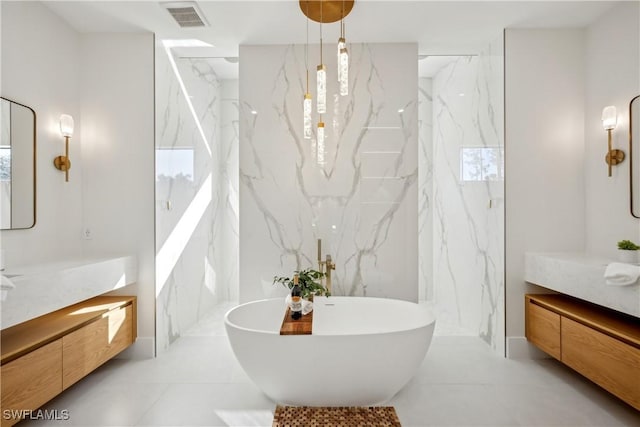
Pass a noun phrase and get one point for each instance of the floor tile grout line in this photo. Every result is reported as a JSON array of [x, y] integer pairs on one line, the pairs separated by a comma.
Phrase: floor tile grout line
[[141, 417]]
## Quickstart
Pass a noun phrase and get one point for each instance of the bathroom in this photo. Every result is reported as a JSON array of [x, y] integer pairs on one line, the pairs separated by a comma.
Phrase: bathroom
[[186, 176]]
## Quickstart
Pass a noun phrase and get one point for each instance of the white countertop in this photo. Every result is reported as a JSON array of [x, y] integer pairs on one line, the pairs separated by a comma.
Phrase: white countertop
[[582, 276], [46, 287]]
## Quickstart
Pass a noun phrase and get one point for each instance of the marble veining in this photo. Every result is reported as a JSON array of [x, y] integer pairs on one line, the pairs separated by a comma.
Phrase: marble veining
[[196, 192], [468, 215], [359, 194], [425, 188]]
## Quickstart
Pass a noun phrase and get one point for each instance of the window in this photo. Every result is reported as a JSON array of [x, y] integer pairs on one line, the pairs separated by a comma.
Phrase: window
[[481, 164], [174, 163], [5, 163]]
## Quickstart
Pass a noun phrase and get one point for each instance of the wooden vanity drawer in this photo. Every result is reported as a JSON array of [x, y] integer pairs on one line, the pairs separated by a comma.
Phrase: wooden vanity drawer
[[31, 380], [610, 363], [543, 328], [90, 346]]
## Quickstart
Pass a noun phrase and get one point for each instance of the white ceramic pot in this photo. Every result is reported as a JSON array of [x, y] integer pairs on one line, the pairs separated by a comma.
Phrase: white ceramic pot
[[627, 256]]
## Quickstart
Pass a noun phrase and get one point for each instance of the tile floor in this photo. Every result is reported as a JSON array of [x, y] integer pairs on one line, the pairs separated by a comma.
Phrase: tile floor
[[197, 382]]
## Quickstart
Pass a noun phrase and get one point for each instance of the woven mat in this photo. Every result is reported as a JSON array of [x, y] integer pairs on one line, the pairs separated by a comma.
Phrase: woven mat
[[305, 416]]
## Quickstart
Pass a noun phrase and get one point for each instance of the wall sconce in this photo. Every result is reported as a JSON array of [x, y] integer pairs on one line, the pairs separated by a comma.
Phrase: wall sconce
[[66, 129], [609, 121]]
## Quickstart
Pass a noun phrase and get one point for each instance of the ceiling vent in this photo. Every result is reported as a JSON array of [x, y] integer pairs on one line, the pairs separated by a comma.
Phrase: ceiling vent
[[187, 14]]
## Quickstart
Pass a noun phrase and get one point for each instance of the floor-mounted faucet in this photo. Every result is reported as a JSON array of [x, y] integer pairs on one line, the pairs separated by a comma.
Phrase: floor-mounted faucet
[[328, 265], [325, 266]]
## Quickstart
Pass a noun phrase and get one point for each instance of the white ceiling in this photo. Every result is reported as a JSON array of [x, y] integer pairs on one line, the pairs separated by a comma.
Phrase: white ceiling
[[439, 27]]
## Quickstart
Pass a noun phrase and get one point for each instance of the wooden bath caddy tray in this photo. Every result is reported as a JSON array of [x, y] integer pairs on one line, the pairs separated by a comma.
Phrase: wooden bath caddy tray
[[302, 326]]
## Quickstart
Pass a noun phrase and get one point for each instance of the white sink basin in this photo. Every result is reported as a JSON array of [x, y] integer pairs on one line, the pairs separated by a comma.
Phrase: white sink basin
[[43, 288]]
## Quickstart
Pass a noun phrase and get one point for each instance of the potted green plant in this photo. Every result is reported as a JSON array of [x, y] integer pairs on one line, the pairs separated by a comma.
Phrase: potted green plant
[[628, 251], [309, 282]]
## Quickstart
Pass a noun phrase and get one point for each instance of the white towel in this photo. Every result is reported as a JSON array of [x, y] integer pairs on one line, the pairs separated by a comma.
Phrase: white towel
[[620, 274]]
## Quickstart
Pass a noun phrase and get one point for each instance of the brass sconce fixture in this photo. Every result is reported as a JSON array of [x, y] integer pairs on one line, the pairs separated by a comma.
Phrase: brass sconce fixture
[[609, 121], [66, 129]]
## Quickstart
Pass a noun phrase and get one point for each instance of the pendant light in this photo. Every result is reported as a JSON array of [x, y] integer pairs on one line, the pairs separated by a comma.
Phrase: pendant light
[[320, 143], [307, 102], [343, 59], [321, 78], [336, 11]]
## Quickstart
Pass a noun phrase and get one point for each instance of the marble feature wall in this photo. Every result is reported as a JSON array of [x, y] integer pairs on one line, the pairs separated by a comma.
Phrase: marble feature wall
[[227, 232], [425, 188], [196, 201], [468, 197], [361, 200]]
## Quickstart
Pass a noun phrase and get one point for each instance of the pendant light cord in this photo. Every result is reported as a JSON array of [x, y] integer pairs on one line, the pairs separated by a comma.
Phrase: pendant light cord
[[306, 50], [321, 32], [342, 21]]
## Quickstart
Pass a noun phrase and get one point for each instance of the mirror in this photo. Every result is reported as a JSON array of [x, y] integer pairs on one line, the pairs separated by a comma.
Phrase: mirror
[[17, 166], [634, 154]]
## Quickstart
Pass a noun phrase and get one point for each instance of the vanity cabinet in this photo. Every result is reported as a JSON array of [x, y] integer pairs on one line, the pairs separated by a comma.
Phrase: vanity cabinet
[[87, 348], [44, 356], [32, 380], [599, 343], [544, 330]]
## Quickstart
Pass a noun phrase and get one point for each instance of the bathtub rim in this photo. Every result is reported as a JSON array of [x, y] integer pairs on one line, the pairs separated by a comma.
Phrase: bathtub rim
[[431, 323]]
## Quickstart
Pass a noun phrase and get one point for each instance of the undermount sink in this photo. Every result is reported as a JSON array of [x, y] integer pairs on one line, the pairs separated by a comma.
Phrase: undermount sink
[[43, 288]]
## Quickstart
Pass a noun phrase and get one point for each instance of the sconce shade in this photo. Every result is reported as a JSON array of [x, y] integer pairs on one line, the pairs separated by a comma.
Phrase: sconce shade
[[609, 117], [66, 125]]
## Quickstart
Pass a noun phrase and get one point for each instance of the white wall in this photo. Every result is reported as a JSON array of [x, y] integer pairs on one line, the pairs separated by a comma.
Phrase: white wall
[[118, 156], [362, 201], [105, 81], [41, 69], [612, 78], [544, 151], [559, 197]]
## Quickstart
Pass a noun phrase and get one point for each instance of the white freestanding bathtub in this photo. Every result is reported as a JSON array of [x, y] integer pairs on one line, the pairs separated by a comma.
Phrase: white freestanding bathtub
[[361, 353]]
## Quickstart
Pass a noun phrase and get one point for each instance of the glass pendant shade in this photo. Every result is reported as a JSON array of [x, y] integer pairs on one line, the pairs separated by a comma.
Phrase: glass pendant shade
[[321, 93], [609, 117], [66, 125], [343, 71], [341, 45], [320, 144], [307, 116]]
